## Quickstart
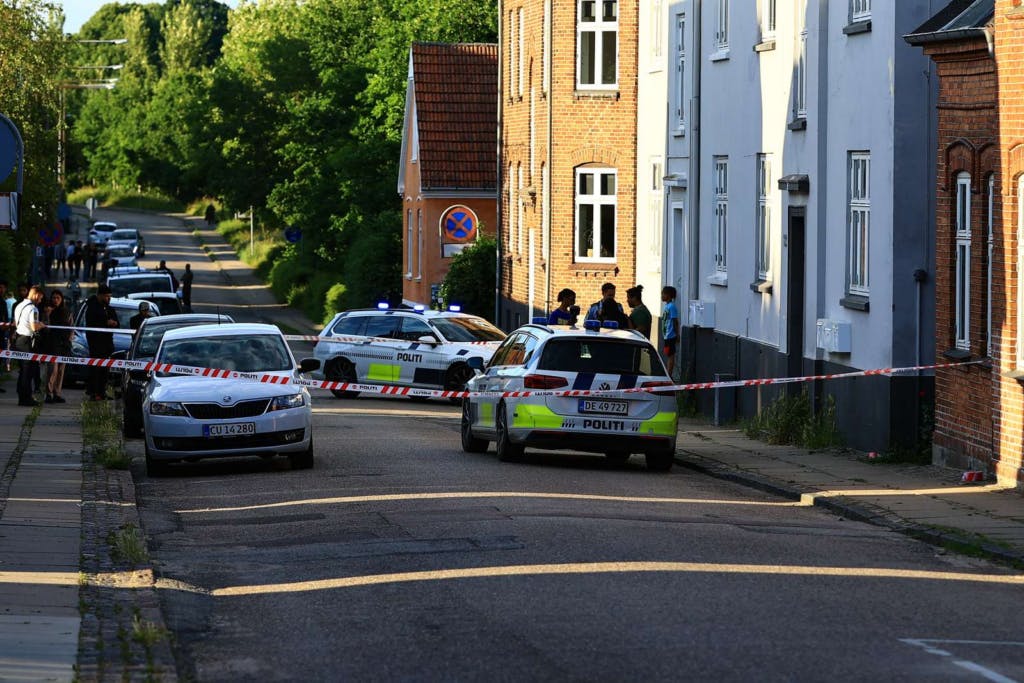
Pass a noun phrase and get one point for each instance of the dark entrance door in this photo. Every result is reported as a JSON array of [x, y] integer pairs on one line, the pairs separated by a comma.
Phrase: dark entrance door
[[795, 294]]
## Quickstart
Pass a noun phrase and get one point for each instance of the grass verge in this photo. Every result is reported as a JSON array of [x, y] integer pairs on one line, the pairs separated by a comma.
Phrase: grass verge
[[149, 200], [128, 545], [101, 433]]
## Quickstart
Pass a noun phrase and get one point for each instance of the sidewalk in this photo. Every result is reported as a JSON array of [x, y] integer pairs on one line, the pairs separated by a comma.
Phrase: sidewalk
[[923, 501]]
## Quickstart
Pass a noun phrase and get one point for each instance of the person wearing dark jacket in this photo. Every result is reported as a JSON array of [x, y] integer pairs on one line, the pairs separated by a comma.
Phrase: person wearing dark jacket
[[56, 343], [99, 314]]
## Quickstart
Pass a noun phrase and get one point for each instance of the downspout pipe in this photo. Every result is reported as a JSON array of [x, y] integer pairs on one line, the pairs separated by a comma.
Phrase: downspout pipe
[[693, 182], [499, 244], [549, 8]]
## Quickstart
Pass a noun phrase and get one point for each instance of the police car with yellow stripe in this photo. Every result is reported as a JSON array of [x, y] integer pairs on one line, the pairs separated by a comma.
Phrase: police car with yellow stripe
[[405, 347], [541, 357]]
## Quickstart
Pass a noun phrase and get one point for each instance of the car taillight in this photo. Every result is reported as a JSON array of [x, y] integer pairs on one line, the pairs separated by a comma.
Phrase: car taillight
[[544, 382]]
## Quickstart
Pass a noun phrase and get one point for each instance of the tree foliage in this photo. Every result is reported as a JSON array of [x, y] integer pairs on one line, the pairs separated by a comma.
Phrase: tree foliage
[[471, 277]]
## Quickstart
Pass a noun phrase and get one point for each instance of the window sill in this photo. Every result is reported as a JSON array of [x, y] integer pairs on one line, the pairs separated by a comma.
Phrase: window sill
[[797, 124], [595, 266], [679, 133], [408, 276], [853, 28], [855, 302], [719, 280], [761, 286], [957, 354], [720, 55], [765, 46], [596, 94]]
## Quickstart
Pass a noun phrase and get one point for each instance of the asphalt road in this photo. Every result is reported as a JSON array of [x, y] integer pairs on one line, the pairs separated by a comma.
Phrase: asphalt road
[[398, 557]]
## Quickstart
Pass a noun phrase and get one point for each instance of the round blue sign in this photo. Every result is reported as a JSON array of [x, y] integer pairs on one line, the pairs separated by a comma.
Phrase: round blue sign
[[459, 224], [293, 235], [8, 151]]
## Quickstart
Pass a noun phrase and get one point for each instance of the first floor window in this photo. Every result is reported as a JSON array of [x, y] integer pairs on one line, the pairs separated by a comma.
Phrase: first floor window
[[860, 10], [722, 26], [721, 185], [764, 216], [962, 262], [597, 37], [859, 229], [595, 214]]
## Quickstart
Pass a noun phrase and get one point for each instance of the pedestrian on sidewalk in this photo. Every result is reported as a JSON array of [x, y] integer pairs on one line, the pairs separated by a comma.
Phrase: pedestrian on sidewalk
[[162, 268], [639, 316], [56, 343], [186, 287], [28, 325], [567, 311], [61, 254], [99, 314], [669, 328], [211, 214]]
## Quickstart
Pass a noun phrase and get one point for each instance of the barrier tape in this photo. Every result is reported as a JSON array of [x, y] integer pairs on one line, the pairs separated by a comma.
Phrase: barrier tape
[[394, 390], [359, 340]]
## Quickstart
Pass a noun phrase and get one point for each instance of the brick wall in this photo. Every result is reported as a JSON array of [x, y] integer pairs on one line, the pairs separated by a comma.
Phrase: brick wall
[[595, 129]]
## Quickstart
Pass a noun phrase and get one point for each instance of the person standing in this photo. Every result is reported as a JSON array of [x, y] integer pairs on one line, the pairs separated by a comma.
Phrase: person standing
[[99, 314], [56, 342], [607, 294], [564, 315], [669, 327], [162, 268], [639, 318], [93, 255], [27, 325], [79, 259], [186, 287], [144, 312], [5, 328], [60, 253]]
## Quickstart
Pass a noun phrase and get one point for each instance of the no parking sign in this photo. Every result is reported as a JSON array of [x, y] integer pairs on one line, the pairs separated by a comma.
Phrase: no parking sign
[[458, 228], [52, 236]]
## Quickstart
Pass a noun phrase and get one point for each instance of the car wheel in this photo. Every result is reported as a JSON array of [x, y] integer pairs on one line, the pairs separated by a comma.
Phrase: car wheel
[[155, 468], [660, 461], [341, 370], [507, 451], [455, 379], [617, 457], [303, 460], [470, 443]]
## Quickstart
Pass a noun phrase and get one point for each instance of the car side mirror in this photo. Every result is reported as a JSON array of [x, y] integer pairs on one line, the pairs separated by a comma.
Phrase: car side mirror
[[428, 339], [309, 365], [476, 363]]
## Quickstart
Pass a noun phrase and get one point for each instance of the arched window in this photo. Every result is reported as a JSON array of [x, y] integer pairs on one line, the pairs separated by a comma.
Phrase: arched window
[[962, 262], [990, 197]]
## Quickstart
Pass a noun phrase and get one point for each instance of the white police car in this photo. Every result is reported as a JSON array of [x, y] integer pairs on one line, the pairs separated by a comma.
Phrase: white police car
[[545, 357], [405, 347]]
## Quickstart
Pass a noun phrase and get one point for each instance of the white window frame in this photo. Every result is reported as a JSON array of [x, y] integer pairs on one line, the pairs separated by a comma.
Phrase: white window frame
[[656, 208], [545, 219], [720, 179], [962, 262], [511, 209], [859, 225], [1020, 273], [680, 84], [990, 245], [597, 200], [409, 244], [419, 240], [769, 19], [546, 51], [520, 209], [721, 36], [657, 38], [599, 27], [521, 46], [860, 10], [512, 52], [800, 89], [763, 243]]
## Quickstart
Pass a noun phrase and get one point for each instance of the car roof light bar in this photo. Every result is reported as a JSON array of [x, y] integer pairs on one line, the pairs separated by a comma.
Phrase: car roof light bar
[[383, 306], [591, 324]]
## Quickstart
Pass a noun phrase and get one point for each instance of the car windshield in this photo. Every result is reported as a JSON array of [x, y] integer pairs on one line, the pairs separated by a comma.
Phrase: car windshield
[[148, 283], [248, 353], [467, 329], [153, 333], [601, 356], [119, 252], [123, 235]]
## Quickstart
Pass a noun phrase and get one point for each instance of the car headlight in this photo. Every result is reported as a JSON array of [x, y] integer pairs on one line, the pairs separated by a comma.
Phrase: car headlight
[[286, 402], [173, 408]]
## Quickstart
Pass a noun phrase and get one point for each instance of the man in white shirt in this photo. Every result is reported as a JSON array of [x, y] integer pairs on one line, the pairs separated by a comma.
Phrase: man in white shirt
[[27, 324]]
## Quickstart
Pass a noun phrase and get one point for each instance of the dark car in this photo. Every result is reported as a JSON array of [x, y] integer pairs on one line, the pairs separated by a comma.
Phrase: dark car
[[143, 348], [124, 309]]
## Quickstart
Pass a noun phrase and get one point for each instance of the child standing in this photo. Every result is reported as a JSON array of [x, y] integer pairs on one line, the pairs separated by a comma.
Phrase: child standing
[[669, 328]]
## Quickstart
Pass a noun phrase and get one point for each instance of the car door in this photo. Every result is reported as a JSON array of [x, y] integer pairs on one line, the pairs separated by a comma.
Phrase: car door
[[423, 364], [376, 358], [504, 373]]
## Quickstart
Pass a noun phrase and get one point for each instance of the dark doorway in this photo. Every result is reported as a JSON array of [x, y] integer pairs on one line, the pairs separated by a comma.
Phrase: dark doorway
[[795, 294]]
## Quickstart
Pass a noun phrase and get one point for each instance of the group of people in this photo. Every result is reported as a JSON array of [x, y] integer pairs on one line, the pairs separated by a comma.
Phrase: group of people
[[639, 318], [73, 260], [37, 323]]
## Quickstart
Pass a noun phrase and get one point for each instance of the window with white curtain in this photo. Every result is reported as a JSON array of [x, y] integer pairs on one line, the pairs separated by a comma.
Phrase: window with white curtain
[[962, 263], [597, 37], [859, 228]]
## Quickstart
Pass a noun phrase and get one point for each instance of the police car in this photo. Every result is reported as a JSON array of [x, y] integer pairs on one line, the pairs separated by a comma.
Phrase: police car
[[405, 347], [547, 357]]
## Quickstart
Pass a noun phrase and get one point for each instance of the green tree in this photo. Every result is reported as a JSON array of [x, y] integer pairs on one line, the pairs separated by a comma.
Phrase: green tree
[[471, 277]]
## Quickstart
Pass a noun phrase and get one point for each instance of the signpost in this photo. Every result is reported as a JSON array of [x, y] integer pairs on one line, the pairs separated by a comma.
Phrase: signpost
[[12, 152]]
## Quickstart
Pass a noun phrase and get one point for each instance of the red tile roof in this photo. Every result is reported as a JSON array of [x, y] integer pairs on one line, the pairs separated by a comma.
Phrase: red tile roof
[[456, 91]]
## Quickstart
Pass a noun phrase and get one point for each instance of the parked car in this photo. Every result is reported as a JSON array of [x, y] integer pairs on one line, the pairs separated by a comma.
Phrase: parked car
[[187, 417], [148, 281], [101, 231], [169, 303], [143, 348], [122, 253], [129, 237], [541, 357], [125, 309], [414, 348]]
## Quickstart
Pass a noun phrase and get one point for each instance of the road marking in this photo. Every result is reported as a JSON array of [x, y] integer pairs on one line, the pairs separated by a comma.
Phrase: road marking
[[808, 498], [974, 667], [610, 568], [486, 494]]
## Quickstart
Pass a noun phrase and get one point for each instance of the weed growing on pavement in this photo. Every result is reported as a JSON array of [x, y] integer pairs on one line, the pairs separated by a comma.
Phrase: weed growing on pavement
[[146, 633], [101, 433], [790, 420], [128, 545]]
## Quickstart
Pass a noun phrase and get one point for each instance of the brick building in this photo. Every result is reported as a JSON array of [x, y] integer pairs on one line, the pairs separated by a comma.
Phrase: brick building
[[448, 174], [567, 155]]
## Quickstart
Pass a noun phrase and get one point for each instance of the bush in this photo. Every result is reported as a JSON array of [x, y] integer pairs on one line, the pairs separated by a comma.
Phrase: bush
[[790, 420], [471, 277], [334, 301]]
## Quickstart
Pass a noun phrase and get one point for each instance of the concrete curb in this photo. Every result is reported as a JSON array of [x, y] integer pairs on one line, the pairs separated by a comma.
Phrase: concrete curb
[[861, 512]]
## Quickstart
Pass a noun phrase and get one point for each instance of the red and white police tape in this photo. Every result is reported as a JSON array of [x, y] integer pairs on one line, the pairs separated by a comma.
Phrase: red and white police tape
[[393, 390]]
